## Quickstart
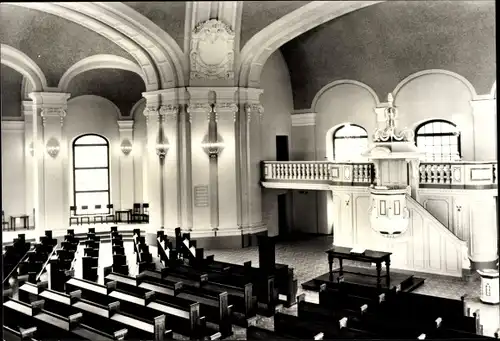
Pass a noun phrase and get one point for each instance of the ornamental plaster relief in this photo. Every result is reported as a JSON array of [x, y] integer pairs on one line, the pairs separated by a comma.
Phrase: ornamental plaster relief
[[212, 51]]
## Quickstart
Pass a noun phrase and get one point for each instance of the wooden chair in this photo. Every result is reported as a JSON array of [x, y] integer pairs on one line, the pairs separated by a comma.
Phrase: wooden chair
[[110, 217], [72, 216], [98, 217], [136, 213], [145, 212], [4, 223], [86, 217]]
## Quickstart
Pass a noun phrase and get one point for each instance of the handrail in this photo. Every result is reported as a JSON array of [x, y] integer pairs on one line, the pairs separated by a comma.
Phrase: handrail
[[46, 262], [73, 262], [17, 266]]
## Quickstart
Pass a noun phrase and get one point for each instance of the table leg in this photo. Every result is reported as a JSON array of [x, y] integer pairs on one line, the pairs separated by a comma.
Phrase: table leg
[[379, 270], [13, 223], [341, 272], [330, 265]]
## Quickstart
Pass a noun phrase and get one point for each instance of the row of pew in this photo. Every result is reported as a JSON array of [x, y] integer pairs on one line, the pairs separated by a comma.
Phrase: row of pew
[[347, 312], [272, 283], [13, 255]]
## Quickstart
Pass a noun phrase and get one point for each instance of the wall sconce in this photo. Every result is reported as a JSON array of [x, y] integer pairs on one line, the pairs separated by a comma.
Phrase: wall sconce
[[162, 144], [31, 149], [212, 148], [126, 146], [53, 147]]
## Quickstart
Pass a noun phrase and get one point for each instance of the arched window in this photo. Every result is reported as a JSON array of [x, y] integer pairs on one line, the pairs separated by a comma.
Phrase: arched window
[[91, 173], [438, 140], [349, 141]]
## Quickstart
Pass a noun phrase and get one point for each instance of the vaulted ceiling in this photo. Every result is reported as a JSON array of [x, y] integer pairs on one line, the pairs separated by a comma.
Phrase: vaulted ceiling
[[382, 44], [378, 45]]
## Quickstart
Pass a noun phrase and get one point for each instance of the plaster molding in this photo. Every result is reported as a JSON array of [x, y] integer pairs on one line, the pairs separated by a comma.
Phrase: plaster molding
[[212, 51], [263, 44], [100, 61], [106, 28], [162, 39], [23, 64], [136, 106], [169, 111], [303, 120], [225, 94], [12, 126], [125, 125], [342, 82], [480, 193], [50, 99], [422, 73]]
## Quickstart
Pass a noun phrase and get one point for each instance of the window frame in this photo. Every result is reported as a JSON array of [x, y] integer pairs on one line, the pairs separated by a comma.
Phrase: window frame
[[454, 134], [76, 145], [335, 137]]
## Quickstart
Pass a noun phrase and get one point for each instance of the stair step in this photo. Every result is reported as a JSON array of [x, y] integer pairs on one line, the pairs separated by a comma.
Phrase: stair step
[[416, 282]]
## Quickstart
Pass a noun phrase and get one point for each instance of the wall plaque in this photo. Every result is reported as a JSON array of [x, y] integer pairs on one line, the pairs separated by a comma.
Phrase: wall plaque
[[201, 198]]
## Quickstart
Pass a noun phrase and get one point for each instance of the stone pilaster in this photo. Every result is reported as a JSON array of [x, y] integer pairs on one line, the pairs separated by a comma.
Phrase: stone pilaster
[[250, 133], [483, 229], [485, 133], [228, 213], [27, 107], [198, 110], [152, 170], [126, 128], [50, 153]]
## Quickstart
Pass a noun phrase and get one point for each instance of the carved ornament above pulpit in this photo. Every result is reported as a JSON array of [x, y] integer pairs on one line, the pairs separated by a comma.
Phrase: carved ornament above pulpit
[[212, 51]]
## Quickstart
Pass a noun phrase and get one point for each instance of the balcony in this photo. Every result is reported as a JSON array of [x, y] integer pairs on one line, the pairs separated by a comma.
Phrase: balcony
[[322, 174]]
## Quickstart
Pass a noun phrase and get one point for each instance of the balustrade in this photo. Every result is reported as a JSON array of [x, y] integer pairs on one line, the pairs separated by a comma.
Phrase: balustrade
[[462, 174]]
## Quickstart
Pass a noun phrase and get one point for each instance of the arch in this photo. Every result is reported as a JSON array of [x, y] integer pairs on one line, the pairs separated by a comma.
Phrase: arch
[[329, 138], [136, 105], [258, 49], [108, 31], [493, 91], [158, 37], [99, 61], [437, 72], [453, 150], [23, 64], [95, 97], [340, 82]]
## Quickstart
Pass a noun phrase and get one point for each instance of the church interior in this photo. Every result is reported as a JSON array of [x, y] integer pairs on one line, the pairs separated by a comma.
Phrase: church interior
[[249, 170]]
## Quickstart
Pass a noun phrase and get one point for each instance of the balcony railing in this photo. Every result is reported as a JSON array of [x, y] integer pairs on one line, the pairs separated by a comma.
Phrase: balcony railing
[[462, 174]]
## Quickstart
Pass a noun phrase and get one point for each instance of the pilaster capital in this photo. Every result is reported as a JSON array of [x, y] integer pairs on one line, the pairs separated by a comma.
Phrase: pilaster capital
[[125, 125], [52, 113], [169, 111], [226, 108], [50, 99], [250, 95], [253, 109]]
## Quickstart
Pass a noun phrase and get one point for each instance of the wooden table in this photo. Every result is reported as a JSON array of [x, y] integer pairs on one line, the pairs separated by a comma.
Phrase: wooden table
[[368, 256], [24, 219]]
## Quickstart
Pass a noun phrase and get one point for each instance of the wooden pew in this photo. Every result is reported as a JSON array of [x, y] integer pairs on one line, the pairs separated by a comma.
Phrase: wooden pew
[[185, 314], [241, 298], [64, 327]]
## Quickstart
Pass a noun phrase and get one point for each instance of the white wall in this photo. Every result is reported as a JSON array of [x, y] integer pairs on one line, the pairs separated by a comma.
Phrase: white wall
[[432, 96], [94, 114], [13, 169], [278, 105]]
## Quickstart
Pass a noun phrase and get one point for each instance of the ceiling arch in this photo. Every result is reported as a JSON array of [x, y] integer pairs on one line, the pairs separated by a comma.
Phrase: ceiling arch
[[339, 82], [101, 61], [258, 49], [411, 77], [23, 64], [106, 30]]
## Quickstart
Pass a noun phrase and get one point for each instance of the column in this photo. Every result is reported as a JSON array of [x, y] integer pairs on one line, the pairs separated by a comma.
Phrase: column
[[27, 107], [169, 113], [250, 132], [226, 110], [152, 160], [199, 109], [483, 250], [485, 135], [185, 169], [126, 128], [50, 152]]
